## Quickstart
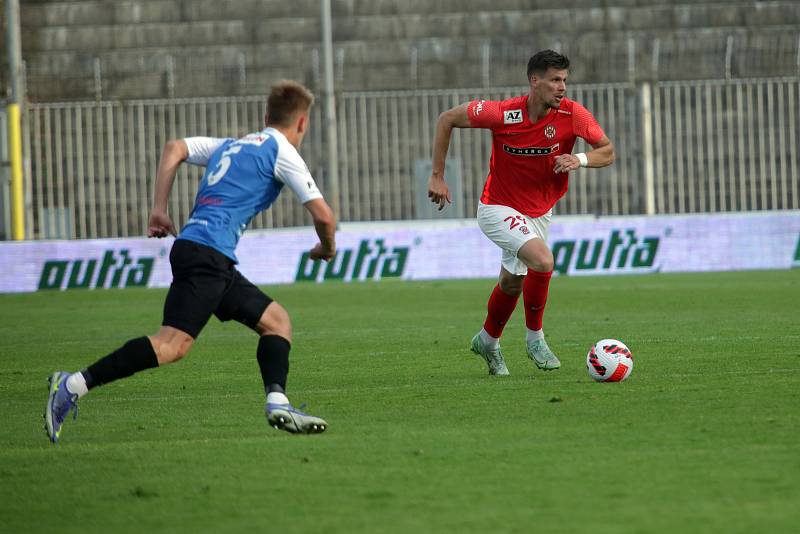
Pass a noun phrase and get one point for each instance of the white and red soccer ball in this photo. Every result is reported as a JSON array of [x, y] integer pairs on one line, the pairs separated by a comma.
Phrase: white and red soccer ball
[[609, 360]]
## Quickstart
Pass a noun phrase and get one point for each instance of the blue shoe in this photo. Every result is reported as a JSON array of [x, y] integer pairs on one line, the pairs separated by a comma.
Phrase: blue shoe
[[286, 417], [59, 403]]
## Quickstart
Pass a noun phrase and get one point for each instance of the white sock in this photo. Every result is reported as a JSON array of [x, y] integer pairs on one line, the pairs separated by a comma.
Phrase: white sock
[[277, 397], [76, 384], [533, 335], [490, 342]]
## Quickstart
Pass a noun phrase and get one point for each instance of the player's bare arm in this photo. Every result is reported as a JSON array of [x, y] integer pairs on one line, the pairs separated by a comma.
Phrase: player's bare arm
[[601, 155], [175, 152], [455, 117], [325, 225]]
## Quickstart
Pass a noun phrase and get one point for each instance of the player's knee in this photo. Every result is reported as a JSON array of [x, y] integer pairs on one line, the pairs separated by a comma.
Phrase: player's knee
[[536, 255], [275, 321], [171, 345], [172, 352], [542, 261], [511, 286], [181, 350], [544, 264]]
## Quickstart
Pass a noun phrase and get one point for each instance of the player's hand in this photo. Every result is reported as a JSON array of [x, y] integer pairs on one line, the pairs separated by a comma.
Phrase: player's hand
[[160, 224], [566, 163], [438, 191], [318, 252]]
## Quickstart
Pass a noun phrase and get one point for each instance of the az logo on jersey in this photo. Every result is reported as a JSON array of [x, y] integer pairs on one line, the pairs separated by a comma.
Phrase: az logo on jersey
[[512, 116]]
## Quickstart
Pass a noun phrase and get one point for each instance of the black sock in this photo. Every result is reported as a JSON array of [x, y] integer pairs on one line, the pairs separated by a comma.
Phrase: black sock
[[273, 359], [134, 356]]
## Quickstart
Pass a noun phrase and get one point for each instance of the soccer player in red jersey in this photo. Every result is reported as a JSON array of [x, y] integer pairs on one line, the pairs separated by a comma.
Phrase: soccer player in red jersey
[[532, 140]]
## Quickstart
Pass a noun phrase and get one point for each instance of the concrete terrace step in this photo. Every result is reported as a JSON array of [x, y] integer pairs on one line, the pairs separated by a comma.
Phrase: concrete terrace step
[[235, 46], [401, 50], [42, 13], [442, 64], [158, 34], [410, 26]]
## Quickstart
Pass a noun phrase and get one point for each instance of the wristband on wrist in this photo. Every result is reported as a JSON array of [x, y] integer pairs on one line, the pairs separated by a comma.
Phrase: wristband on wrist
[[583, 159]]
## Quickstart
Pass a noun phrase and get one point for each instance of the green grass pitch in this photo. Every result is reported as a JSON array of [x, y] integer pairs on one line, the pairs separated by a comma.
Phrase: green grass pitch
[[703, 437]]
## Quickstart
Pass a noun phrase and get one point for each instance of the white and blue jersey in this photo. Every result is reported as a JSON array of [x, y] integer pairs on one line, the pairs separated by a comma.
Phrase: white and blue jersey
[[243, 177]]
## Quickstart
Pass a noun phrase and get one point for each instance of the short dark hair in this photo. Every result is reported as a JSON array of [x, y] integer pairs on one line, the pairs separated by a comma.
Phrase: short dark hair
[[543, 60], [285, 100]]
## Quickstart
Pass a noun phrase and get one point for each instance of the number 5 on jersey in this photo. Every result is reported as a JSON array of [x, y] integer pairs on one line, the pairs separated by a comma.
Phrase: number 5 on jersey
[[223, 165]]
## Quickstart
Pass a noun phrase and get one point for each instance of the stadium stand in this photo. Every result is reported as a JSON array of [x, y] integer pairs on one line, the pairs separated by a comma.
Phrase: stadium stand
[[131, 49]]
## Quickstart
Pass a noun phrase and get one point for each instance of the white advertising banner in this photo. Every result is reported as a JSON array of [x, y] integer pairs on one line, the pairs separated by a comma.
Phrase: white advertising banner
[[425, 250]]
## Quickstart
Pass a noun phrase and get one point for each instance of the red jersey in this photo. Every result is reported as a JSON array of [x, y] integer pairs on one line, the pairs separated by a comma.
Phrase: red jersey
[[523, 152]]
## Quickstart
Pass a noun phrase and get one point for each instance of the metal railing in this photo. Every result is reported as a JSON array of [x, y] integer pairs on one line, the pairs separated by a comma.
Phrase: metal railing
[[726, 146], [698, 146]]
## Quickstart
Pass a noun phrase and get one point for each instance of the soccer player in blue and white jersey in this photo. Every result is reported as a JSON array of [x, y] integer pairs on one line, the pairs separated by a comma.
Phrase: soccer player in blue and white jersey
[[242, 177]]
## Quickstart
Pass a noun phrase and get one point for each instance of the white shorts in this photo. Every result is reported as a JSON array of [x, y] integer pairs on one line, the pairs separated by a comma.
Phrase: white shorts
[[509, 230]]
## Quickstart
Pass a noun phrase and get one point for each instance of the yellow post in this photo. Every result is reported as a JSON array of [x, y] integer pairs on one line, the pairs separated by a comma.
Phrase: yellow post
[[15, 155]]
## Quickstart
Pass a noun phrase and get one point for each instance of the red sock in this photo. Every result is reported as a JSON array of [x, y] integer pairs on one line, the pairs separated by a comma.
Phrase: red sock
[[501, 306], [534, 294]]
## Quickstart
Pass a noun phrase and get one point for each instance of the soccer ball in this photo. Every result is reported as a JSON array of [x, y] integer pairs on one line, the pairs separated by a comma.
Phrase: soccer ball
[[609, 360]]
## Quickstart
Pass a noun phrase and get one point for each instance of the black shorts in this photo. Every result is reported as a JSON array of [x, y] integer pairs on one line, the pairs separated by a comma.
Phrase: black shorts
[[206, 282]]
